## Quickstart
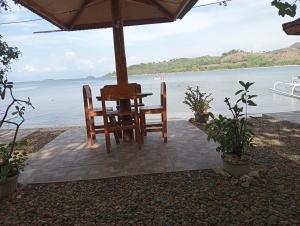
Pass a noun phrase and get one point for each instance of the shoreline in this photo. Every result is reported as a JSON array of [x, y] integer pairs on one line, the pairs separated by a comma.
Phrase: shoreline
[[225, 69], [186, 117], [151, 74]]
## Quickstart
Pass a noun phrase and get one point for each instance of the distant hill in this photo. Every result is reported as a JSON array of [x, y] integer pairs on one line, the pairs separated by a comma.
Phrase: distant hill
[[230, 60]]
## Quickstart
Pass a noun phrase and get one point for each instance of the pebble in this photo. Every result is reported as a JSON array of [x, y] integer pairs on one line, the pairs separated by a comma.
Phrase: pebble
[[234, 181], [254, 173], [221, 172], [245, 178], [19, 196], [272, 220], [245, 184]]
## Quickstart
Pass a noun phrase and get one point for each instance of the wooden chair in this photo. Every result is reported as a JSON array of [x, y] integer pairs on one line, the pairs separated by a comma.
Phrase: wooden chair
[[91, 113], [127, 119], [159, 109]]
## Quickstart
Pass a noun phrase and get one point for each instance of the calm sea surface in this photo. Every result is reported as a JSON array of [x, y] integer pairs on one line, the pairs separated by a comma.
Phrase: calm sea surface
[[59, 103]]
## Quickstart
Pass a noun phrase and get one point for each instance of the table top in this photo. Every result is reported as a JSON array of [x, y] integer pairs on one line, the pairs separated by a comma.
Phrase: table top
[[142, 95]]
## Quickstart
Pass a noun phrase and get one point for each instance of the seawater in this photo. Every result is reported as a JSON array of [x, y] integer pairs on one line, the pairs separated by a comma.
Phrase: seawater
[[59, 102]]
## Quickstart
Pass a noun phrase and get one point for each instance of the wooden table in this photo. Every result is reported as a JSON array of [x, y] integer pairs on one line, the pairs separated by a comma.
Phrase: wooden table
[[142, 95], [139, 95]]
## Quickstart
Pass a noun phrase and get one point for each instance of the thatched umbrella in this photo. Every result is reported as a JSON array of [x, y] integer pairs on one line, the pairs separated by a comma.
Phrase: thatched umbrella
[[292, 28], [72, 15]]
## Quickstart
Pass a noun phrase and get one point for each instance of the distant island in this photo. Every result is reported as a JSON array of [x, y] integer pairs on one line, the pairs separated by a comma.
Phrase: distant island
[[231, 60]]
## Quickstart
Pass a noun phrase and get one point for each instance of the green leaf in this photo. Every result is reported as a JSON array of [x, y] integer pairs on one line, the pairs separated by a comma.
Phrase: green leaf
[[242, 83], [3, 94], [211, 115], [251, 103], [251, 96], [238, 92]]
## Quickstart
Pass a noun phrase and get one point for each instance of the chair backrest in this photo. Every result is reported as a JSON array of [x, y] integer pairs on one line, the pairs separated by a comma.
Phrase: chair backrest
[[163, 95], [138, 90], [87, 98], [119, 92]]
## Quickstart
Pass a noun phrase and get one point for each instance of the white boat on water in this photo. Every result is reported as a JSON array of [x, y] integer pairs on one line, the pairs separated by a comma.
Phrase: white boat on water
[[159, 77], [291, 89]]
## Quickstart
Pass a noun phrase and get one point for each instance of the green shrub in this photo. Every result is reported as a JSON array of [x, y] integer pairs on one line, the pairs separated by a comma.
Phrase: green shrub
[[198, 102], [234, 135]]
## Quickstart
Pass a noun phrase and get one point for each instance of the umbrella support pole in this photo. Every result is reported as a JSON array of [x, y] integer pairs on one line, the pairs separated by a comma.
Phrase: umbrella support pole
[[120, 59]]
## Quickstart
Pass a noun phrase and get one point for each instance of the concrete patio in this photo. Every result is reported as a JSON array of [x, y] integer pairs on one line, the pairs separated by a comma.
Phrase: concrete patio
[[67, 158]]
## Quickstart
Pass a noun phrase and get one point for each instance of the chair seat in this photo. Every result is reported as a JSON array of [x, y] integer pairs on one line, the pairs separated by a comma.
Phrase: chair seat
[[139, 105], [132, 105], [98, 111], [151, 109], [119, 113]]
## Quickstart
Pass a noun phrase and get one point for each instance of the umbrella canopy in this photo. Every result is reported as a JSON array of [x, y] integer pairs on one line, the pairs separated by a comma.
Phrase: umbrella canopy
[[90, 14], [292, 28]]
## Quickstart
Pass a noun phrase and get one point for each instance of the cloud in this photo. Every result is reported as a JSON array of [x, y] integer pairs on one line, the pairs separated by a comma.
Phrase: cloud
[[158, 32], [36, 69], [70, 54], [30, 68]]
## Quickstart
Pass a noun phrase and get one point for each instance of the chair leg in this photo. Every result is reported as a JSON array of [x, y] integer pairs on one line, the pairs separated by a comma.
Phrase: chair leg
[[88, 132], [112, 119], [92, 126], [90, 141], [119, 131], [165, 127], [162, 122], [138, 134], [107, 141], [116, 135], [142, 127]]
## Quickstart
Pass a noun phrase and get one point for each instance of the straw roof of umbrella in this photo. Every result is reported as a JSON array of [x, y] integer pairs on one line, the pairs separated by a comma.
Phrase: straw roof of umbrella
[[91, 14], [292, 28]]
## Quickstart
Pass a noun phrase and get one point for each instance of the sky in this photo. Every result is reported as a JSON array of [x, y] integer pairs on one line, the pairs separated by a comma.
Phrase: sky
[[251, 25]]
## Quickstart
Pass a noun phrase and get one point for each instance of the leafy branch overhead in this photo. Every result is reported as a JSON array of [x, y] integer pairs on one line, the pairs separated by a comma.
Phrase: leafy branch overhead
[[5, 6], [285, 8], [7, 55]]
